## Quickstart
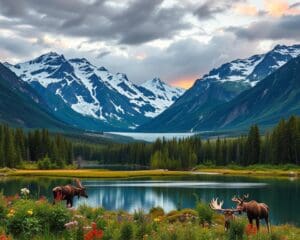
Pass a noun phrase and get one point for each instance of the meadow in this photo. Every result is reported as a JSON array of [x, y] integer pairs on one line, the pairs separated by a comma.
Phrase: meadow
[[23, 217]]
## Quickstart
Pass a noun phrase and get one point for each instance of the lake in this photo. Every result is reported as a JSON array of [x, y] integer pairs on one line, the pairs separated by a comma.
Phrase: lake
[[282, 196], [151, 137]]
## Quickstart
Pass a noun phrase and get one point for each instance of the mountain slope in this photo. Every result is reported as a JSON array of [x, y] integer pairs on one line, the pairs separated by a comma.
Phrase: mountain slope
[[219, 86], [111, 100], [20, 104], [276, 97]]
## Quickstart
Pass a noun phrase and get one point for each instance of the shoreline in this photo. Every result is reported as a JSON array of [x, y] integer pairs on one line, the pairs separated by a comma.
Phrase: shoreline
[[101, 173]]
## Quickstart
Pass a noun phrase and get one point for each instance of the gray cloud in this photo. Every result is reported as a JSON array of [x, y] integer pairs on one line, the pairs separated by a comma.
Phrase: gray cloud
[[103, 54], [286, 27], [137, 22], [295, 5], [212, 7]]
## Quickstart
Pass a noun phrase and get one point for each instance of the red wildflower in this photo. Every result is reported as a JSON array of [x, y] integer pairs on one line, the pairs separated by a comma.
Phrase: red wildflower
[[3, 237], [251, 230], [94, 233]]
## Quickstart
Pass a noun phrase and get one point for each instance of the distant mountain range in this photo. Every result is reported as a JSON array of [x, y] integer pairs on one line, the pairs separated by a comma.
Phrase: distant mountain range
[[58, 93], [90, 97], [201, 107]]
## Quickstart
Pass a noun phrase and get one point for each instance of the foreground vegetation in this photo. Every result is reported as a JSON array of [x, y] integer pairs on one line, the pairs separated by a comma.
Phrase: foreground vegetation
[[26, 218]]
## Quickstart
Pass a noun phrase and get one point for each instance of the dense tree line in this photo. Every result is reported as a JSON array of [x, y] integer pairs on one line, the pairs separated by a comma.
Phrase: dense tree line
[[279, 146], [17, 147]]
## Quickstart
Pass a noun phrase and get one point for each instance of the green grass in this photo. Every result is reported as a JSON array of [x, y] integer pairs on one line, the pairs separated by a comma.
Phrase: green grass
[[95, 173], [287, 170]]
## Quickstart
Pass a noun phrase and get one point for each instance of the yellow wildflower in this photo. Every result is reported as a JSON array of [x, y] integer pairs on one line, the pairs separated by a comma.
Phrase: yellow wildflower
[[9, 215], [30, 212], [157, 219]]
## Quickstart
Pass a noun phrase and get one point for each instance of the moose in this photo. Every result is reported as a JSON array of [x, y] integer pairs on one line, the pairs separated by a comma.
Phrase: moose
[[228, 213], [68, 192], [253, 209]]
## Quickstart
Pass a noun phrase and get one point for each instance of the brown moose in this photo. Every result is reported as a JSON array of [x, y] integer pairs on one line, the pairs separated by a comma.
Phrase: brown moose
[[253, 209], [228, 213], [68, 192]]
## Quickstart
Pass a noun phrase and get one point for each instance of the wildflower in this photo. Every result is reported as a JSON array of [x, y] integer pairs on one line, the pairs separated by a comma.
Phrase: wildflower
[[11, 213], [3, 237], [25, 191], [157, 219], [71, 224], [30, 212]]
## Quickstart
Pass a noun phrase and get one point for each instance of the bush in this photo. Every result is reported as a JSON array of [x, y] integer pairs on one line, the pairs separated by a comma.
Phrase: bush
[[58, 217], [126, 231], [236, 230], [44, 163], [22, 220], [139, 216], [205, 214], [89, 212], [156, 212]]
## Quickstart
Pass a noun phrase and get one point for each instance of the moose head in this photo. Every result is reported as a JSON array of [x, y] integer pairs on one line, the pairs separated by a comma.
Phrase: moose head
[[81, 189], [68, 192], [240, 202], [228, 213]]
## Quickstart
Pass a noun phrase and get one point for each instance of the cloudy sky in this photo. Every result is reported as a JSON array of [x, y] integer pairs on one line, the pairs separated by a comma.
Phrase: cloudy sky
[[176, 40]]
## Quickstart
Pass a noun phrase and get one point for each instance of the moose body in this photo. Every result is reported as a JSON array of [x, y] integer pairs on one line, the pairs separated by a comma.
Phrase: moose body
[[68, 192], [254, 210]]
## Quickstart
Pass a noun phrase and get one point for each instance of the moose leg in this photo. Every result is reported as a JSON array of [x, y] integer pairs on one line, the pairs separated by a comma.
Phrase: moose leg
[[250, 220], [54, 197], [71, 202], [257, 224], [268, 224]]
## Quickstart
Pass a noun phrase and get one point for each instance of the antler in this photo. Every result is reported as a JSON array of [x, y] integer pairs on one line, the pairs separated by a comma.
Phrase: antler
[[215, 205], [236, 199], [79, 183], [245, 196]]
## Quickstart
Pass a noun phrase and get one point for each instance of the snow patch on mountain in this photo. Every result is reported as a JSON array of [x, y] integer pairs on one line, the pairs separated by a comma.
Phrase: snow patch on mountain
[[94, 91]]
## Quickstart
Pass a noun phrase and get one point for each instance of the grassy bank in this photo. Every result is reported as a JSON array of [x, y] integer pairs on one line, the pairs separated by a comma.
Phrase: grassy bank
[[26, 218], [254, 170], [95, 173]]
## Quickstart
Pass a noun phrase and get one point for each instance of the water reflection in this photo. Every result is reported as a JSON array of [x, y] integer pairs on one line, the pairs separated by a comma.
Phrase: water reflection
[[282, 196]]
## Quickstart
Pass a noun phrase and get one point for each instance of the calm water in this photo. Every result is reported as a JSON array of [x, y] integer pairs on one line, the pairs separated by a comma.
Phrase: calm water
[[282, 196], [151, 137]]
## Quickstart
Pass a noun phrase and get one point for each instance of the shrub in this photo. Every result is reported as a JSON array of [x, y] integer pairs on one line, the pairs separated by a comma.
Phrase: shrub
[[3, 207], [156, 212], [22, 220], [44, 163], [126, 231], [205, 214], [58, 217], [139, 216], [236, 230], [89, 212]]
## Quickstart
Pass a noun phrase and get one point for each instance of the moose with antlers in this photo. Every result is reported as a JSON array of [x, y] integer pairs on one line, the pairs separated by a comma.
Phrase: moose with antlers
[[253, 209], [68, 192]]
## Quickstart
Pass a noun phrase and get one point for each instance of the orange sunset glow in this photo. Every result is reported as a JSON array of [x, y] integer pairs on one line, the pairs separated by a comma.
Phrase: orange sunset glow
[[185, 82]]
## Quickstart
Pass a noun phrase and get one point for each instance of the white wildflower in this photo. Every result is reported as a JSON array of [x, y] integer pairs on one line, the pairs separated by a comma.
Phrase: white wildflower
[[25, 191]]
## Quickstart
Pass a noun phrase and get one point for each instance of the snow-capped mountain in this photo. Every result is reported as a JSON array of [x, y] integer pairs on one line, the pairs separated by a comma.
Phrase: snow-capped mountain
[[95, 92], [163, 94], [219, 86]]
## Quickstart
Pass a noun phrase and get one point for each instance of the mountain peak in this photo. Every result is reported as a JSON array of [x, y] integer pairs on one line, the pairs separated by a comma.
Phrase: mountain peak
[[102, 69], [48, 57]]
